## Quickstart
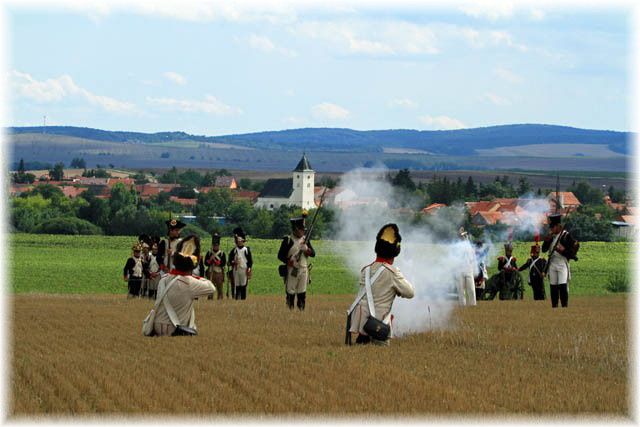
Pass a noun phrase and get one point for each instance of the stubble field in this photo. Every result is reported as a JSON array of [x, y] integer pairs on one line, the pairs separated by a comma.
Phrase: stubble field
[[84, 355]]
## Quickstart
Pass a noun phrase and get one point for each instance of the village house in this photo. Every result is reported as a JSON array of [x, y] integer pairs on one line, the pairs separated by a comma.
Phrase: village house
[[295, 191], [568, 202], [226, 182]]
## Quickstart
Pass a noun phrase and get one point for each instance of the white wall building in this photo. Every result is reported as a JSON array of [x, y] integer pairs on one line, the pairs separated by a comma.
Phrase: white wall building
[[294, 191]]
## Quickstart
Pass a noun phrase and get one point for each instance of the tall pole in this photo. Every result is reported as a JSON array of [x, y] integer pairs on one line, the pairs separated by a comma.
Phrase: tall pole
[[557, 192]]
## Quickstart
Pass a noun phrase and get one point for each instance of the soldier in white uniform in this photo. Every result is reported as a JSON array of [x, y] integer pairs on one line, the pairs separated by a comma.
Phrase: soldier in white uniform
[[241, 262], [168, 246], [388, 284], [295, 252], [465, 280], [562, 247]]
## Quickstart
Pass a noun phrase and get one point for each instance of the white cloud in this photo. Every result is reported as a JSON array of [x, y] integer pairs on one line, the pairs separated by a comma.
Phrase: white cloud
[[496, 99], [264, 44], [441, 122], [210, 105], [175, 77], [403, 103], [185, 10], [63, 87], [504, 37], [492, 11], [507, 75], [329, 111], [372, 37]]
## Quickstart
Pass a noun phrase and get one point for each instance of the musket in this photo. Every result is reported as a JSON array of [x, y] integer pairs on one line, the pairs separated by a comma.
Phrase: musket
[[307, 235]]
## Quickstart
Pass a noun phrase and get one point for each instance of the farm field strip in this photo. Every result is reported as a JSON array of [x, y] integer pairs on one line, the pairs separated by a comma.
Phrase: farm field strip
[[256, 357]]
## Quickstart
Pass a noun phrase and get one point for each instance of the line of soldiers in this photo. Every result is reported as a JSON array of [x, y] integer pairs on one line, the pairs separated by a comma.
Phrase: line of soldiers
[[507, 283], [153, 257]]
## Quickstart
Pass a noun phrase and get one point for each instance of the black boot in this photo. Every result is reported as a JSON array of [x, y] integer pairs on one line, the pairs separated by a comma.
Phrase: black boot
[[290, 299], [301, 300]]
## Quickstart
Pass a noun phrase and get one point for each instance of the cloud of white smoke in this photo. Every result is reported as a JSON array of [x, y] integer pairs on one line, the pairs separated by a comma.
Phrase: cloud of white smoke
[[431, 264]]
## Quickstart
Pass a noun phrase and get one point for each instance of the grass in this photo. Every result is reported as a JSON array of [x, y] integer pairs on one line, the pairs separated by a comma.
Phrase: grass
[[84, 355], [93, 265]]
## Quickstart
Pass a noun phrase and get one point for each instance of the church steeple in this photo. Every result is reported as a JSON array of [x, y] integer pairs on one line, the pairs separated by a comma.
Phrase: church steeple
[[303, 165]]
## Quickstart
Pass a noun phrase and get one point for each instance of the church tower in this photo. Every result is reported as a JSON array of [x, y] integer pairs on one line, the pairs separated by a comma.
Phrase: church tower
[[303, 184]]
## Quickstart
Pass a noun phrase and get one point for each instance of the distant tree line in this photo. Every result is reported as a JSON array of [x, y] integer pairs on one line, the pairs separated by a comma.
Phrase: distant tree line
[[45, 209]]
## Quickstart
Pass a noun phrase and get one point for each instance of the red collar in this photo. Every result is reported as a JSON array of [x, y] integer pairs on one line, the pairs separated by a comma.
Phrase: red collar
[[180, 273], [385, 260]]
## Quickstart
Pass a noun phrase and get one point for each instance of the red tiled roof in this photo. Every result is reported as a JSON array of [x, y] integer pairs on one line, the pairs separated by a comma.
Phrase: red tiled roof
[[126, 181], [226, 182], [153, 189], [71, 191], [489, 218], [184, 202], [433, 207], [567, 198]]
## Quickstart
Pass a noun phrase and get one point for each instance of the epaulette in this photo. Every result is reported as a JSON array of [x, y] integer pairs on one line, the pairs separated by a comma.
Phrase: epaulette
[[500, 258]]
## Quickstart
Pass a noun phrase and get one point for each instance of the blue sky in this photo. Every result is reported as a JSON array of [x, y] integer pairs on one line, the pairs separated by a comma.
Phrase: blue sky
[[244, 67]]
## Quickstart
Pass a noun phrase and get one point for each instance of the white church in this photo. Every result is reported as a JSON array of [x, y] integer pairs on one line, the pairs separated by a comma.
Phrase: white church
[[295, 191]]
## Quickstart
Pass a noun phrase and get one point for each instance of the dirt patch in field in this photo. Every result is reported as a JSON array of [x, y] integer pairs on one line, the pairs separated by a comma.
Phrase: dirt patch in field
[[84, 355]]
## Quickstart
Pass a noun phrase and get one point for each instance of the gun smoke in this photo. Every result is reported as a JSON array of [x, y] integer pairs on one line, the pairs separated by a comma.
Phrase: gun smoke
[[429, 261]]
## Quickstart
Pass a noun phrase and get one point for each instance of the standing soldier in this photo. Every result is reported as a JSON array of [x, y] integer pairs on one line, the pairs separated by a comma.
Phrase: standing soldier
[[144, 289], [133, 271], [465, 282], [481, 275], [294, 252], [240, 261], [215, 260], [168, 246], [536, 267], [562, 247], [510, 281], [153, 271]]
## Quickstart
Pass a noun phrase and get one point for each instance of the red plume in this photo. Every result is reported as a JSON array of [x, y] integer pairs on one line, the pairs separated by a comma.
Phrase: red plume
[[536, 236]]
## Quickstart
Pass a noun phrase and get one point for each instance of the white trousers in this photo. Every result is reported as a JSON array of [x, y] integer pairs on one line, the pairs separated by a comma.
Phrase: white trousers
[[466, 289], [559, 273], [240, 276], [298, 284]]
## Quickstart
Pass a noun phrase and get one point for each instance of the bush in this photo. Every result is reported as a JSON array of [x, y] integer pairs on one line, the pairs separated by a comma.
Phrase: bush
[[67, 225], [619, 282]]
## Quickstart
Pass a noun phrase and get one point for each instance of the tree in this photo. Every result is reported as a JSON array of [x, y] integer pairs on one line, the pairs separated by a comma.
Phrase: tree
[[586, 227], [470, 190], [120, 198], [78, 163], [169, 177], [403, 179], [524, 187], [587, 194], [57, 173]]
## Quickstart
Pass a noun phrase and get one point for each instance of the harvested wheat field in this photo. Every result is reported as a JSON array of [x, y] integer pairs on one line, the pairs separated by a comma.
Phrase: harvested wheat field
[[85, 355]]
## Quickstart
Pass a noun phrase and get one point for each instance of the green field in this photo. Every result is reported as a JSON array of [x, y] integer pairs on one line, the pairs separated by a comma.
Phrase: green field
[[93, 264]]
